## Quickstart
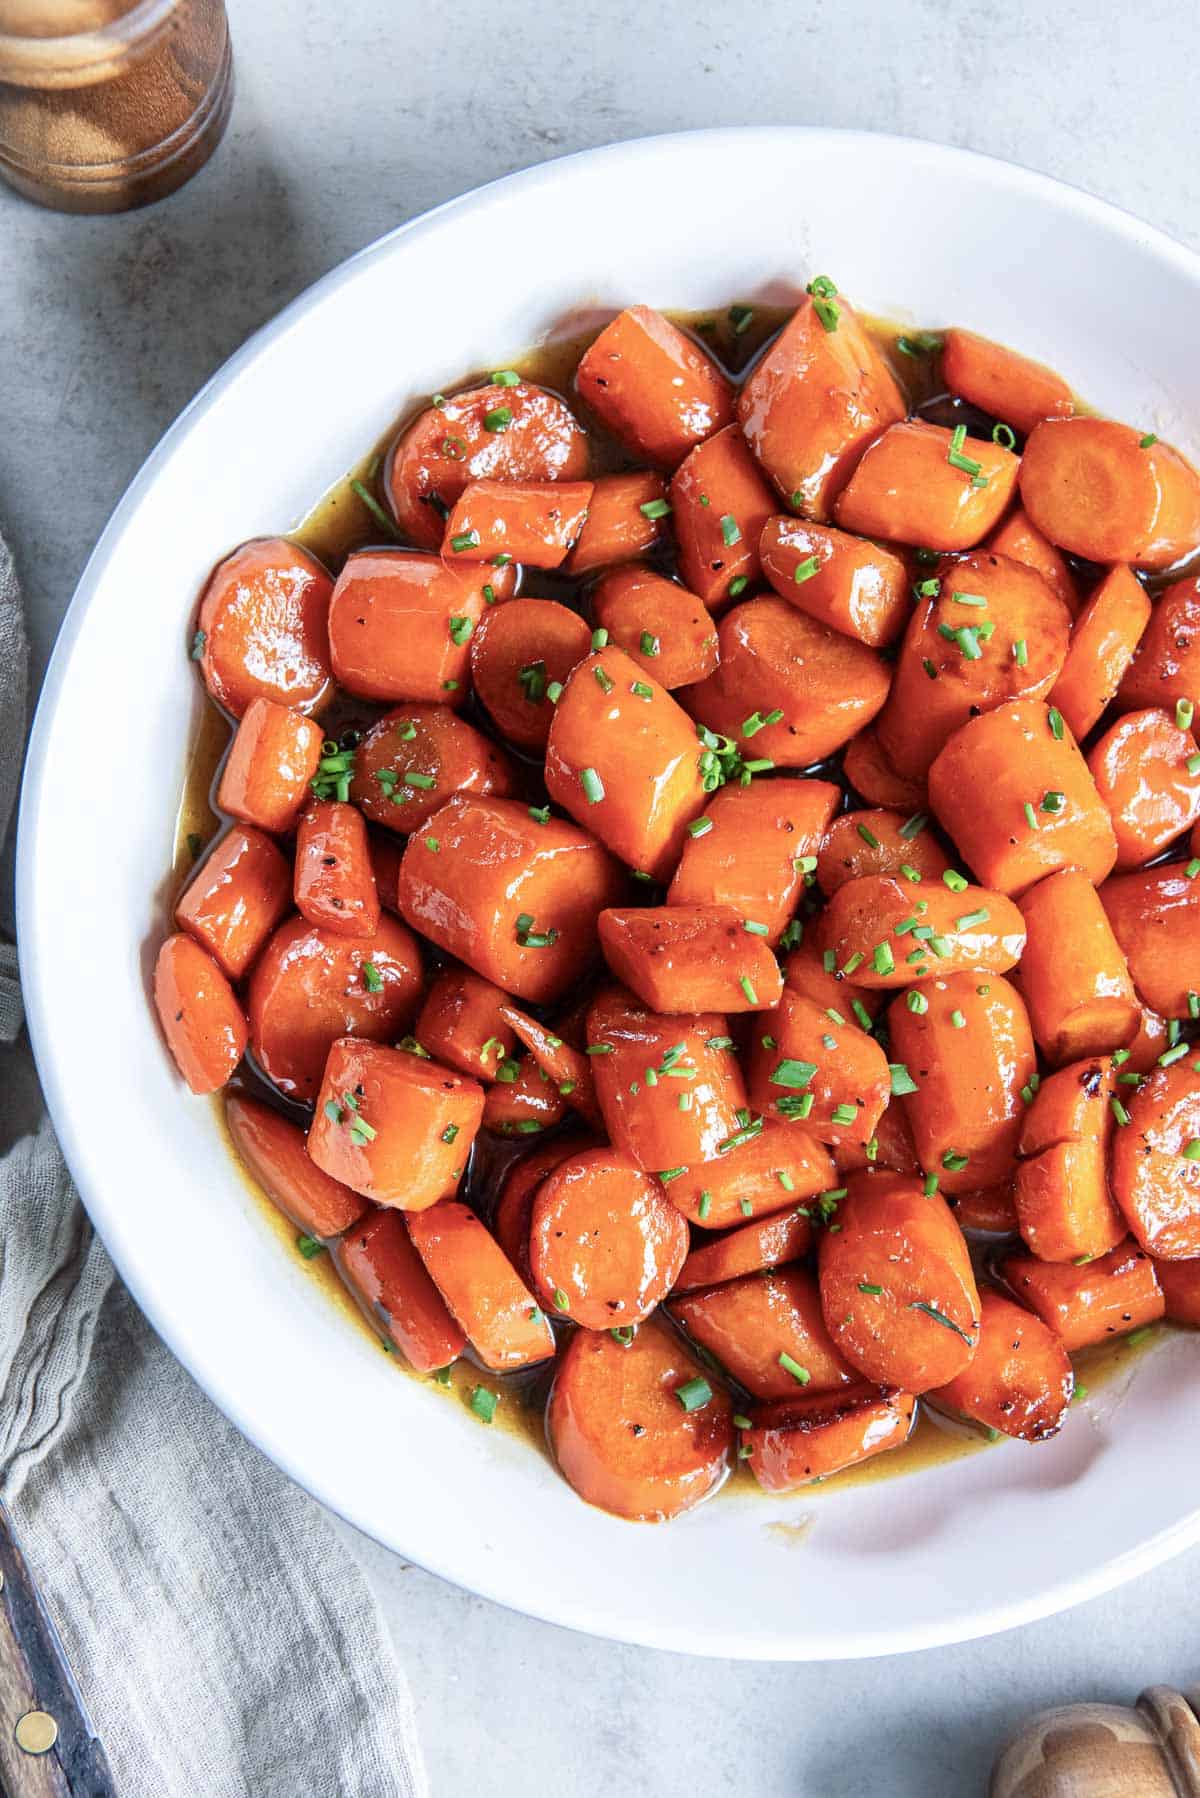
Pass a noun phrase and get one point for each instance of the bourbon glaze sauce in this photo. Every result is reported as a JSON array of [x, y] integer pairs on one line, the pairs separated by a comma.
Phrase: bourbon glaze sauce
[[340, 523]]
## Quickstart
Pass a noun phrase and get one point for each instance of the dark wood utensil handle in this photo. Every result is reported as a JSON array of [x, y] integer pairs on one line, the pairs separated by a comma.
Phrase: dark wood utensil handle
[[35, 1677]]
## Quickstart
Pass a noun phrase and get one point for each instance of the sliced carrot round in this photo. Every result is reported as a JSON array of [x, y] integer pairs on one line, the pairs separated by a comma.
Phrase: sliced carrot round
[[794, 1442], [377, 1261], [1147, 772], [274, 1151], [660, 625], [1166, 664], [605, 1245], [1156, 1163], [518, 651], [201, 1018], [874, 778], [768, 1332], [263, 627], [769, 1242], [413, 759], [873, 842], [1020, 1381], [1111, 493], [503, 1321], [514, 1207]]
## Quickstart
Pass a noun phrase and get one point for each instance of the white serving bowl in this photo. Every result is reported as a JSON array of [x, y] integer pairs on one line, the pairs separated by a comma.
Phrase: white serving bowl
[[922, 233]]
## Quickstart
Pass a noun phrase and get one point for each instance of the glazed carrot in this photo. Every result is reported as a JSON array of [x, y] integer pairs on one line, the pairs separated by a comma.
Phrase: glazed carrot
[[876, 934], [377, 1261], [532, 522], [656, 390], [1021, 541], [831, 1077], [687, 958], [1149, 1043], [1020, 1381], [1147, 772], [514, 1207], [461, 1023], [875, 780], [992, 1209], [201, 1018], [1018, 798], [1180, 1282], [639, 1092], [334, 880], [271, 760], [500, 432], [795, 1442], [385, 865], [606, 1245], [805, 971], [622, 1434], [719, 505], [309, 987], [1155, 917], [766, 1331], [1008, 386], [396, 1127], [413, 759], [1073, 975], [1166, 665], [758, 1178], [870, 842], [660, 625], [813, 402], [1156, 1162], [1111, 493], [989, 632], [1065, 1211], [567, 1068], [771, 1242], [514, 895], [400, 625], [273, 1151], [485, 1294], [816, 687], [523, 1100], [624, 520], [1106, 634], [623, 759], [923, 484], [967, 1055], [849, 584], [518, 651], [1089, 1304], [897, 1289], [235, 898], [889, 1150], [750, 849], [262, 629]]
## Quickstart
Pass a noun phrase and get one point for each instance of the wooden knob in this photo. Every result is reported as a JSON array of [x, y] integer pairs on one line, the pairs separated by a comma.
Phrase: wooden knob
[[1151, 1750]]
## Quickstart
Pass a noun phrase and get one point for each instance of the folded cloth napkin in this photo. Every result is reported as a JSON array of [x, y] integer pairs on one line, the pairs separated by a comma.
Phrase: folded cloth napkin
[[224, 1639]]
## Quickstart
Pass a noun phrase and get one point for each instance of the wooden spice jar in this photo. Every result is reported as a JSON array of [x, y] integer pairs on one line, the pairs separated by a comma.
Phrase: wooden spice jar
[[109, 104], [1147, 1750]]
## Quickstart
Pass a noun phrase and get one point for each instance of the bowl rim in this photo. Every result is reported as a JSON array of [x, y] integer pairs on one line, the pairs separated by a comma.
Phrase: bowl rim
[[859, 1643]]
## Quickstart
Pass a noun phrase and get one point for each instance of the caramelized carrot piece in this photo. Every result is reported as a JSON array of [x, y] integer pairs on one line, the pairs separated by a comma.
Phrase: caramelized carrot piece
[[769, 1242], [889, 1150], [606, 1245], [1106, 491], [377, 1261], [413, 759], [235, 898], [897, 1288], [1073, 975], [871, 842], [523, 1100], [968, 1054], [750, 849], [309, 987], [1106, 635], [514, 1207], [462, 1023], [813, 402], [1064, 1209], [400, 625], [815, 686], [756, 1179], [273, 1152], [656, 390], [532, 522], [805, 971], [519, 651], [1149, 1043], [1021, 541], [270, 763], [531, 436], [767, 1331], [875, 780], [624, 520], [334, 880], [845, 582], [1147, 772], [1008, 386], [621, 1434], [1020, 1381], [992, 1209], [907, 489], [514, 896], [201, 1019], [485, 1294], [719, 505], [1156, 1162], [990, 632], [566, 1068], [1180, 1282], [263, 627], [660, 625], [625, 765], [830, 1076], [1085, 1305], [1166, 664], [1155, 917], [875, 933], [687, 958], [795, 1442], [1018, 798]]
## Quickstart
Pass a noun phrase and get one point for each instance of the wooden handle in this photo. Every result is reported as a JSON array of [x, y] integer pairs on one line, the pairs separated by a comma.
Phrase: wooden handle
[[1147, 1750], [48, 1748]]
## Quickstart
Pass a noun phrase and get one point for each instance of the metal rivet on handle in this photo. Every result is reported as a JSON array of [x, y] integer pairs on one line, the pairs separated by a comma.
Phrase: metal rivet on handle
[[36, 1732]]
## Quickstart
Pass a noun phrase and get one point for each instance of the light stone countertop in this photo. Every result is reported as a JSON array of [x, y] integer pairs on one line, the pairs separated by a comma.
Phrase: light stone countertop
[[341, 130]]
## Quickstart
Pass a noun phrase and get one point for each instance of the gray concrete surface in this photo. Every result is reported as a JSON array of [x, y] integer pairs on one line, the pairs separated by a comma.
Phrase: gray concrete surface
[[349, 120]]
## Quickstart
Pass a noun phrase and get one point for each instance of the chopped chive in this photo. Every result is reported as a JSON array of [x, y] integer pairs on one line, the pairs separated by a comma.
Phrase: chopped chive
[[865, 1021], [902, 1080], [929, 1185], [1193, 764], [593, 786], [600, 638], [867, 836], [920, 343], [700, 827], [786, 1181], [655, 508], [910, 873], [1118, 1111], [730, 533], [843, 1115], [1193, 868], [372, 978], [414, 779], [954, 1163], [754, 928], [506, 377], [1185, 711], [603, 681], [667, 1174], [642, 691], [649, 644], [882, 959], [790, 1365], [718, 1042], [795, 1105], [912, 827], [957, 1020], [483, 1403], [955, 881], [793, 1073], [871, 1290], [917, 1003], [1030, 815], [740, 318], [694, 1394], [467, 540], [747, 987], [1191, 1150], [1005, 436], [940, 1317], [738, 585], [852, 963], [554, 691], [312, 1246], [1147, 441], [805, 570], [704, 1206], [928, 589], [970, 919], [1021, 652], [1054, 719], [1053, 802]]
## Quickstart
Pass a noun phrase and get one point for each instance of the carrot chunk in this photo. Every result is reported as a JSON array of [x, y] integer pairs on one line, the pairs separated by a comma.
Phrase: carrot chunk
[[1065, 1211], [1010, 387], [1020, 1381], [201, 1019], [875, 933], [719, 505], [872, 842], [518, 653], [767, 1331], [1085, 1305], [1075, 978], [757, 1178], [1111, 493], [688, 958], [1166, 663], [1103, 643], [270, 763], [830, 1077], [795, 1442], [400, 625], [606, 1245], [1156, 1163], [845, 582], [334, 879], [533, 522], [751, 847], [1155, 917], [1147, 772], [767, 1242], [235, 898], [624, 520], [263, 627], [412, 760], [377, 1261], [274, 1152], [483, 1291], [660, 625], [924, 484], [656, 390]]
